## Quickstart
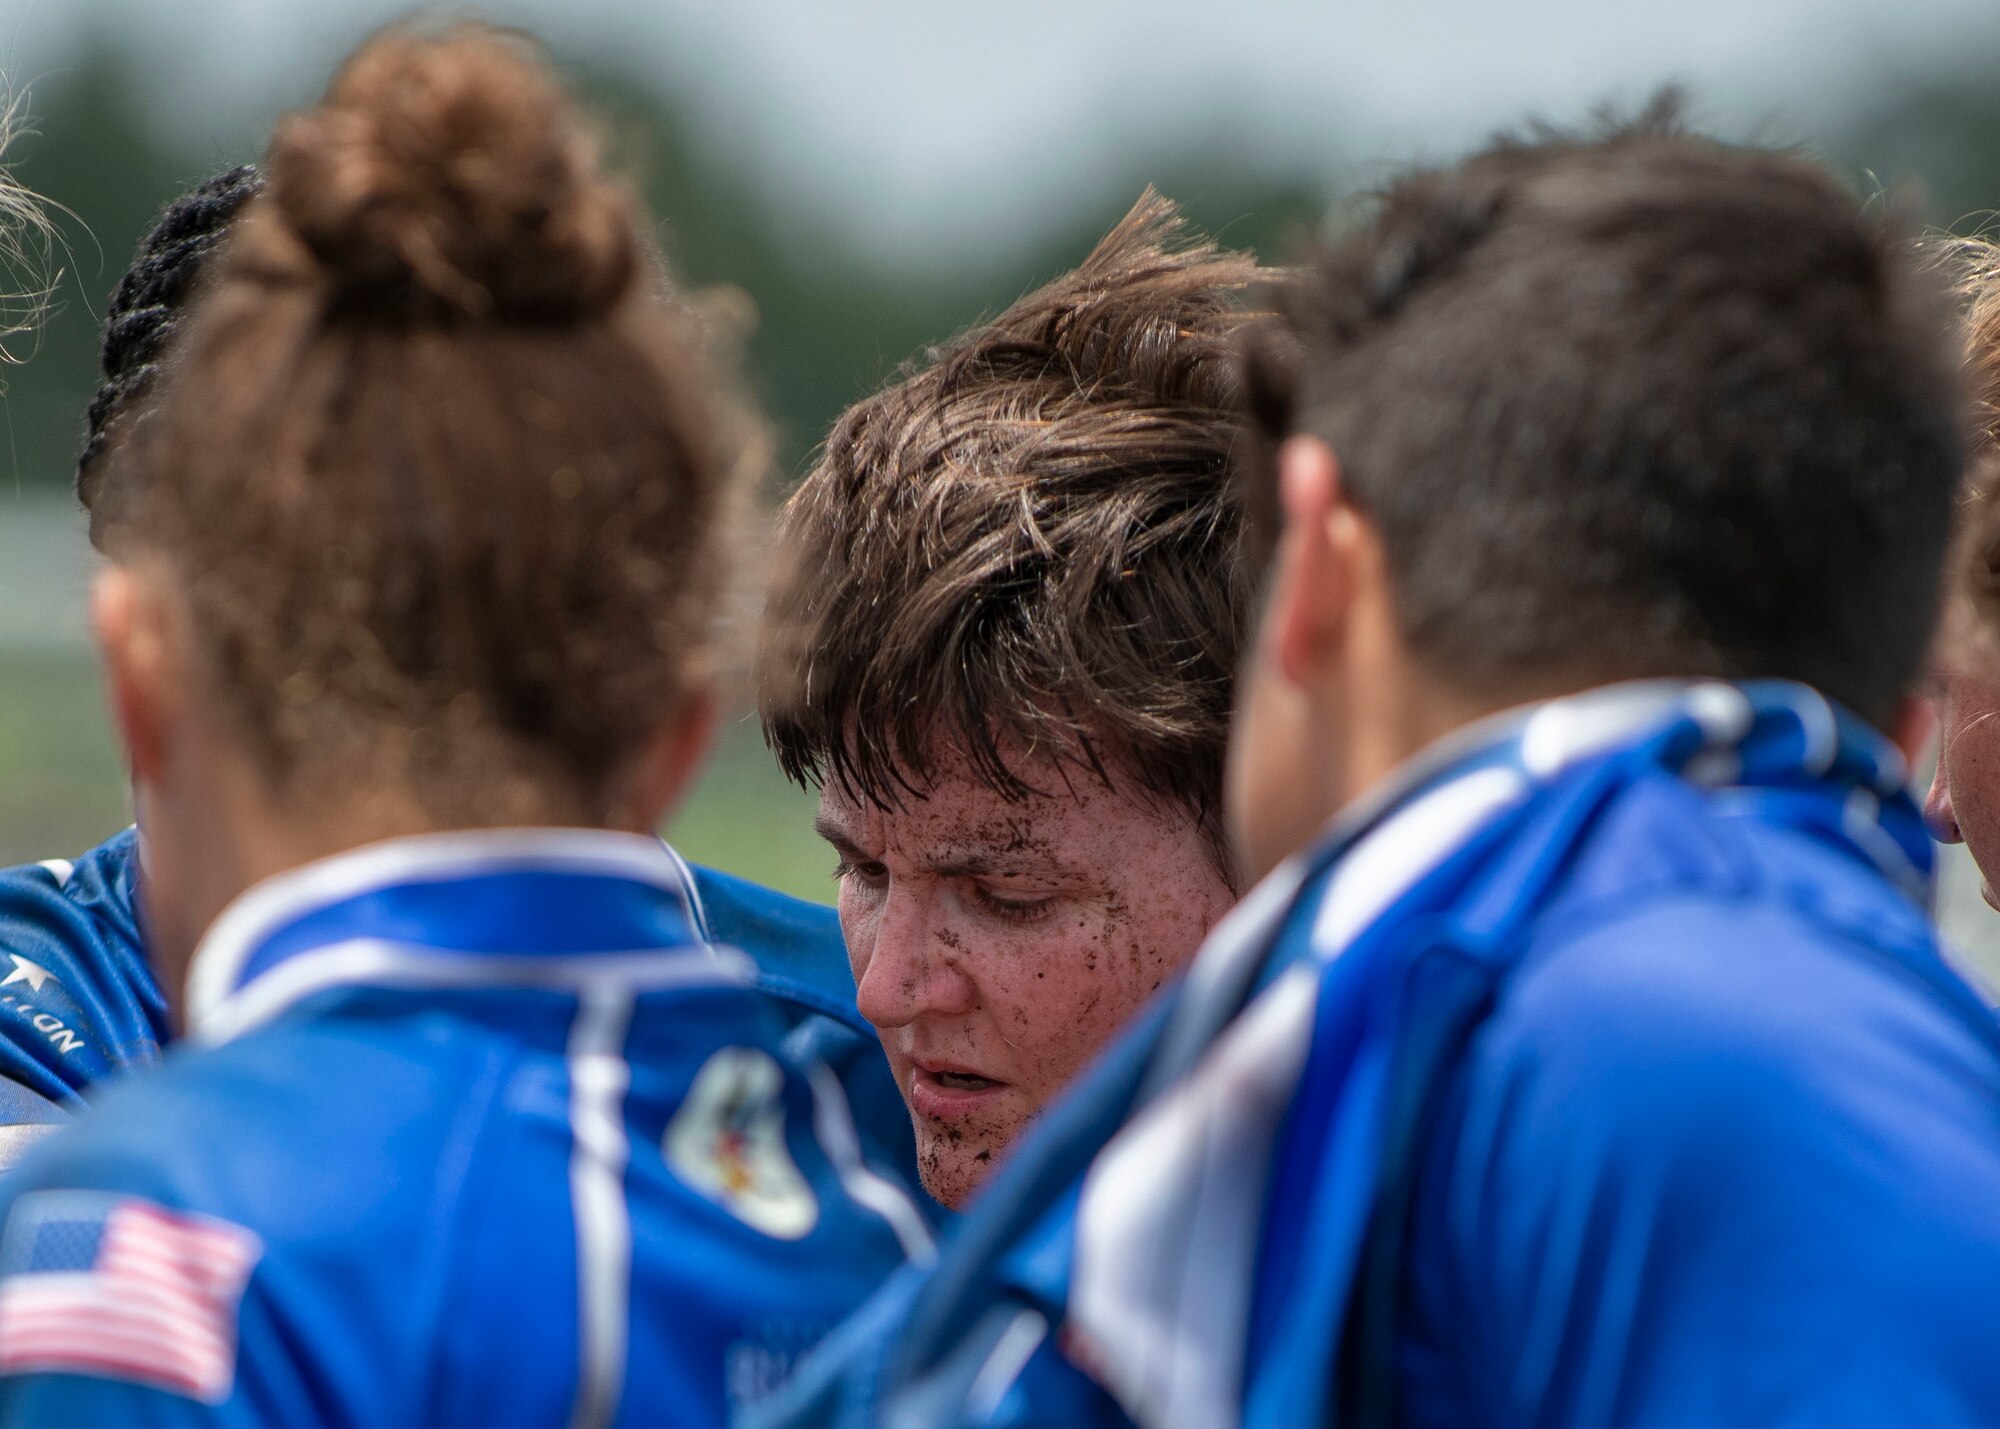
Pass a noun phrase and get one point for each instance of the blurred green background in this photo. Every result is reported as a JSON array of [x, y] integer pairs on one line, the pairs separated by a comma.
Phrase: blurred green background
[[832, 321], [872, 177], [61, 790]]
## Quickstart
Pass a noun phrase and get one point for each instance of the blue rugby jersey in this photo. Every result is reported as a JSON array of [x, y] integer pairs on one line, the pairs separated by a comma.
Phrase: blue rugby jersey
[[78, 1000], [1600, 1071], [470, 1129]]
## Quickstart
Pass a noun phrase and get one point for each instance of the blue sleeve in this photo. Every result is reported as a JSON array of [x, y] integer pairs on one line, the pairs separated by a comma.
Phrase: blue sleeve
[[123, 1374], [834, 1387], [1709, 1166], [77, 998], [301, 1147], [797, 945], [62, 1401], [837, 1387], [801, 963]]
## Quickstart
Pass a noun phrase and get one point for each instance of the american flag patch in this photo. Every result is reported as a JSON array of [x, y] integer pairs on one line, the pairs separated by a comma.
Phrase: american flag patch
[[120, 1288]]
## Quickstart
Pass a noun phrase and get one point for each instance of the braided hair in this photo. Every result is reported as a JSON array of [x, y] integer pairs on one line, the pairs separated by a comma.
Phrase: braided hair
[[147, 308]]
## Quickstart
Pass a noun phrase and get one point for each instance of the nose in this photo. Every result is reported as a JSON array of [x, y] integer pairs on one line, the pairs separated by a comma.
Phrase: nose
[[1938, 813], [911, 972]]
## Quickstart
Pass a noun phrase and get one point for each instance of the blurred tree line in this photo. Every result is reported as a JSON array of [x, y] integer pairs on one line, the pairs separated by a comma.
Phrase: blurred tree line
[[831, 320]]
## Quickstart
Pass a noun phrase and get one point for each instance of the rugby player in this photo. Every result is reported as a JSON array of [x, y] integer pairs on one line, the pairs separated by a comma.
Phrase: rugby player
[[79, 999], [1585, 1055], [1010, 607], [408, 640]]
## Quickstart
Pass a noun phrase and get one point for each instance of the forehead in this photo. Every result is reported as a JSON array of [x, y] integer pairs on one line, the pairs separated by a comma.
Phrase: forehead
[[956, 816]]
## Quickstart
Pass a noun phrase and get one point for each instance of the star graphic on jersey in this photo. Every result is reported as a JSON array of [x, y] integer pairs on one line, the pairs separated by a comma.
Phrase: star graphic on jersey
[[33, 974]]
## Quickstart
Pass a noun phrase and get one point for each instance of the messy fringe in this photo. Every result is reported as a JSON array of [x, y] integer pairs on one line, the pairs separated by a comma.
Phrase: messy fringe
[[1026, 551]]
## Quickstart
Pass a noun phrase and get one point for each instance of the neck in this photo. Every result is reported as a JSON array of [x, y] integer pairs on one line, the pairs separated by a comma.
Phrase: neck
[[1387, 733], [1407, 712], [221, 835]]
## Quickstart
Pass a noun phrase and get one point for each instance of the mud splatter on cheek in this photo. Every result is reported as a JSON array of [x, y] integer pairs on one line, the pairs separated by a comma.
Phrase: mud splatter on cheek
[[1141, 962], [1115, 929]]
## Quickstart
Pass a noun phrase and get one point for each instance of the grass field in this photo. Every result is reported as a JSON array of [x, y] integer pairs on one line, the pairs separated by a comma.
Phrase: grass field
[[62, 790]]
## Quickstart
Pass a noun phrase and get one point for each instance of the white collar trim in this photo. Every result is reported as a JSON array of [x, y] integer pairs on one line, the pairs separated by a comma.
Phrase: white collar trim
[[261, 910]]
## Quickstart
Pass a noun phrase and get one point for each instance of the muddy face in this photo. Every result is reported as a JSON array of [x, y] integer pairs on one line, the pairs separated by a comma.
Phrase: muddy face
[[1964, 802], [997, 945]]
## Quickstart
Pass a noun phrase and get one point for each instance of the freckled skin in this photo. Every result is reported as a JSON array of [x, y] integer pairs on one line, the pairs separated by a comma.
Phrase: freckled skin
[[1011, 940], [1964, 801]]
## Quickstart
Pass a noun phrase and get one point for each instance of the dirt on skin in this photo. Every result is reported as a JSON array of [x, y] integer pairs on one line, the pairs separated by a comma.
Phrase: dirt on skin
[[1012, 940]]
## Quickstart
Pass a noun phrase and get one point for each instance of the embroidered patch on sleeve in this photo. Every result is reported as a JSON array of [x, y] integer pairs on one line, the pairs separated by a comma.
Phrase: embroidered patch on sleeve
[[120, 1288]]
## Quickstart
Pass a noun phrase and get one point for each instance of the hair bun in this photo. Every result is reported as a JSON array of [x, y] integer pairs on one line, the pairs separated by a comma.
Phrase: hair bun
[[449, 175]]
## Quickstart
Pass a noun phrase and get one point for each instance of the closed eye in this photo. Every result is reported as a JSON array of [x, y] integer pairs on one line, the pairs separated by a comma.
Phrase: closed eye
[[867, 871], [1013, 910]]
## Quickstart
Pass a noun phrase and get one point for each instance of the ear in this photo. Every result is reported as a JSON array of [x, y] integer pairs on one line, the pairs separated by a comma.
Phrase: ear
[[1312, 585], [129, 617], [666, 767], [1911, 730]]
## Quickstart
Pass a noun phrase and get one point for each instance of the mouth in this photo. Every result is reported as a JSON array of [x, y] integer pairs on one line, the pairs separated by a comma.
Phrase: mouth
[[963, 1081], [941, 1090]]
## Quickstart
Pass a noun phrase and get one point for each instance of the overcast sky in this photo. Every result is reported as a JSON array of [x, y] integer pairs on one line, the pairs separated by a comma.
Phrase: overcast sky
[[915, 120]]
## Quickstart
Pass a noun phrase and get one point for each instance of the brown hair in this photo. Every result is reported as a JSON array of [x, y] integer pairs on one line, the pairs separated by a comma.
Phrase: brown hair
[[1030, 537], [1970, 636], [439, 468], [1633, 403]]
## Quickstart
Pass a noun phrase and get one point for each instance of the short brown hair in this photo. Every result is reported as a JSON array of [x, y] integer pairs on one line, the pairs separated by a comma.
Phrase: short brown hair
[[1634, 403], [1031, 536], [439, 468]]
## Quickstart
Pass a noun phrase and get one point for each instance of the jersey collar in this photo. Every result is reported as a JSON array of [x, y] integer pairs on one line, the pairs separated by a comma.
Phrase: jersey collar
[[557, 908]]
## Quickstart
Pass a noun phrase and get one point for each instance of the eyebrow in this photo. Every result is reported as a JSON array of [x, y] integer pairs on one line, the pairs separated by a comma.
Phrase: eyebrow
[[957, 860], [832, 832]]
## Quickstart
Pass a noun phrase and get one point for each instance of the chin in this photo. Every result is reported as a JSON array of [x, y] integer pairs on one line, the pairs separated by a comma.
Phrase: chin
[[953, 1172]]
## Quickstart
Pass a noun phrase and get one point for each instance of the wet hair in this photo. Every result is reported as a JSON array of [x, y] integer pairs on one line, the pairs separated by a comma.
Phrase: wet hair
[[439, 469], [1632, 403], [146, 311], [1026, 551]]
